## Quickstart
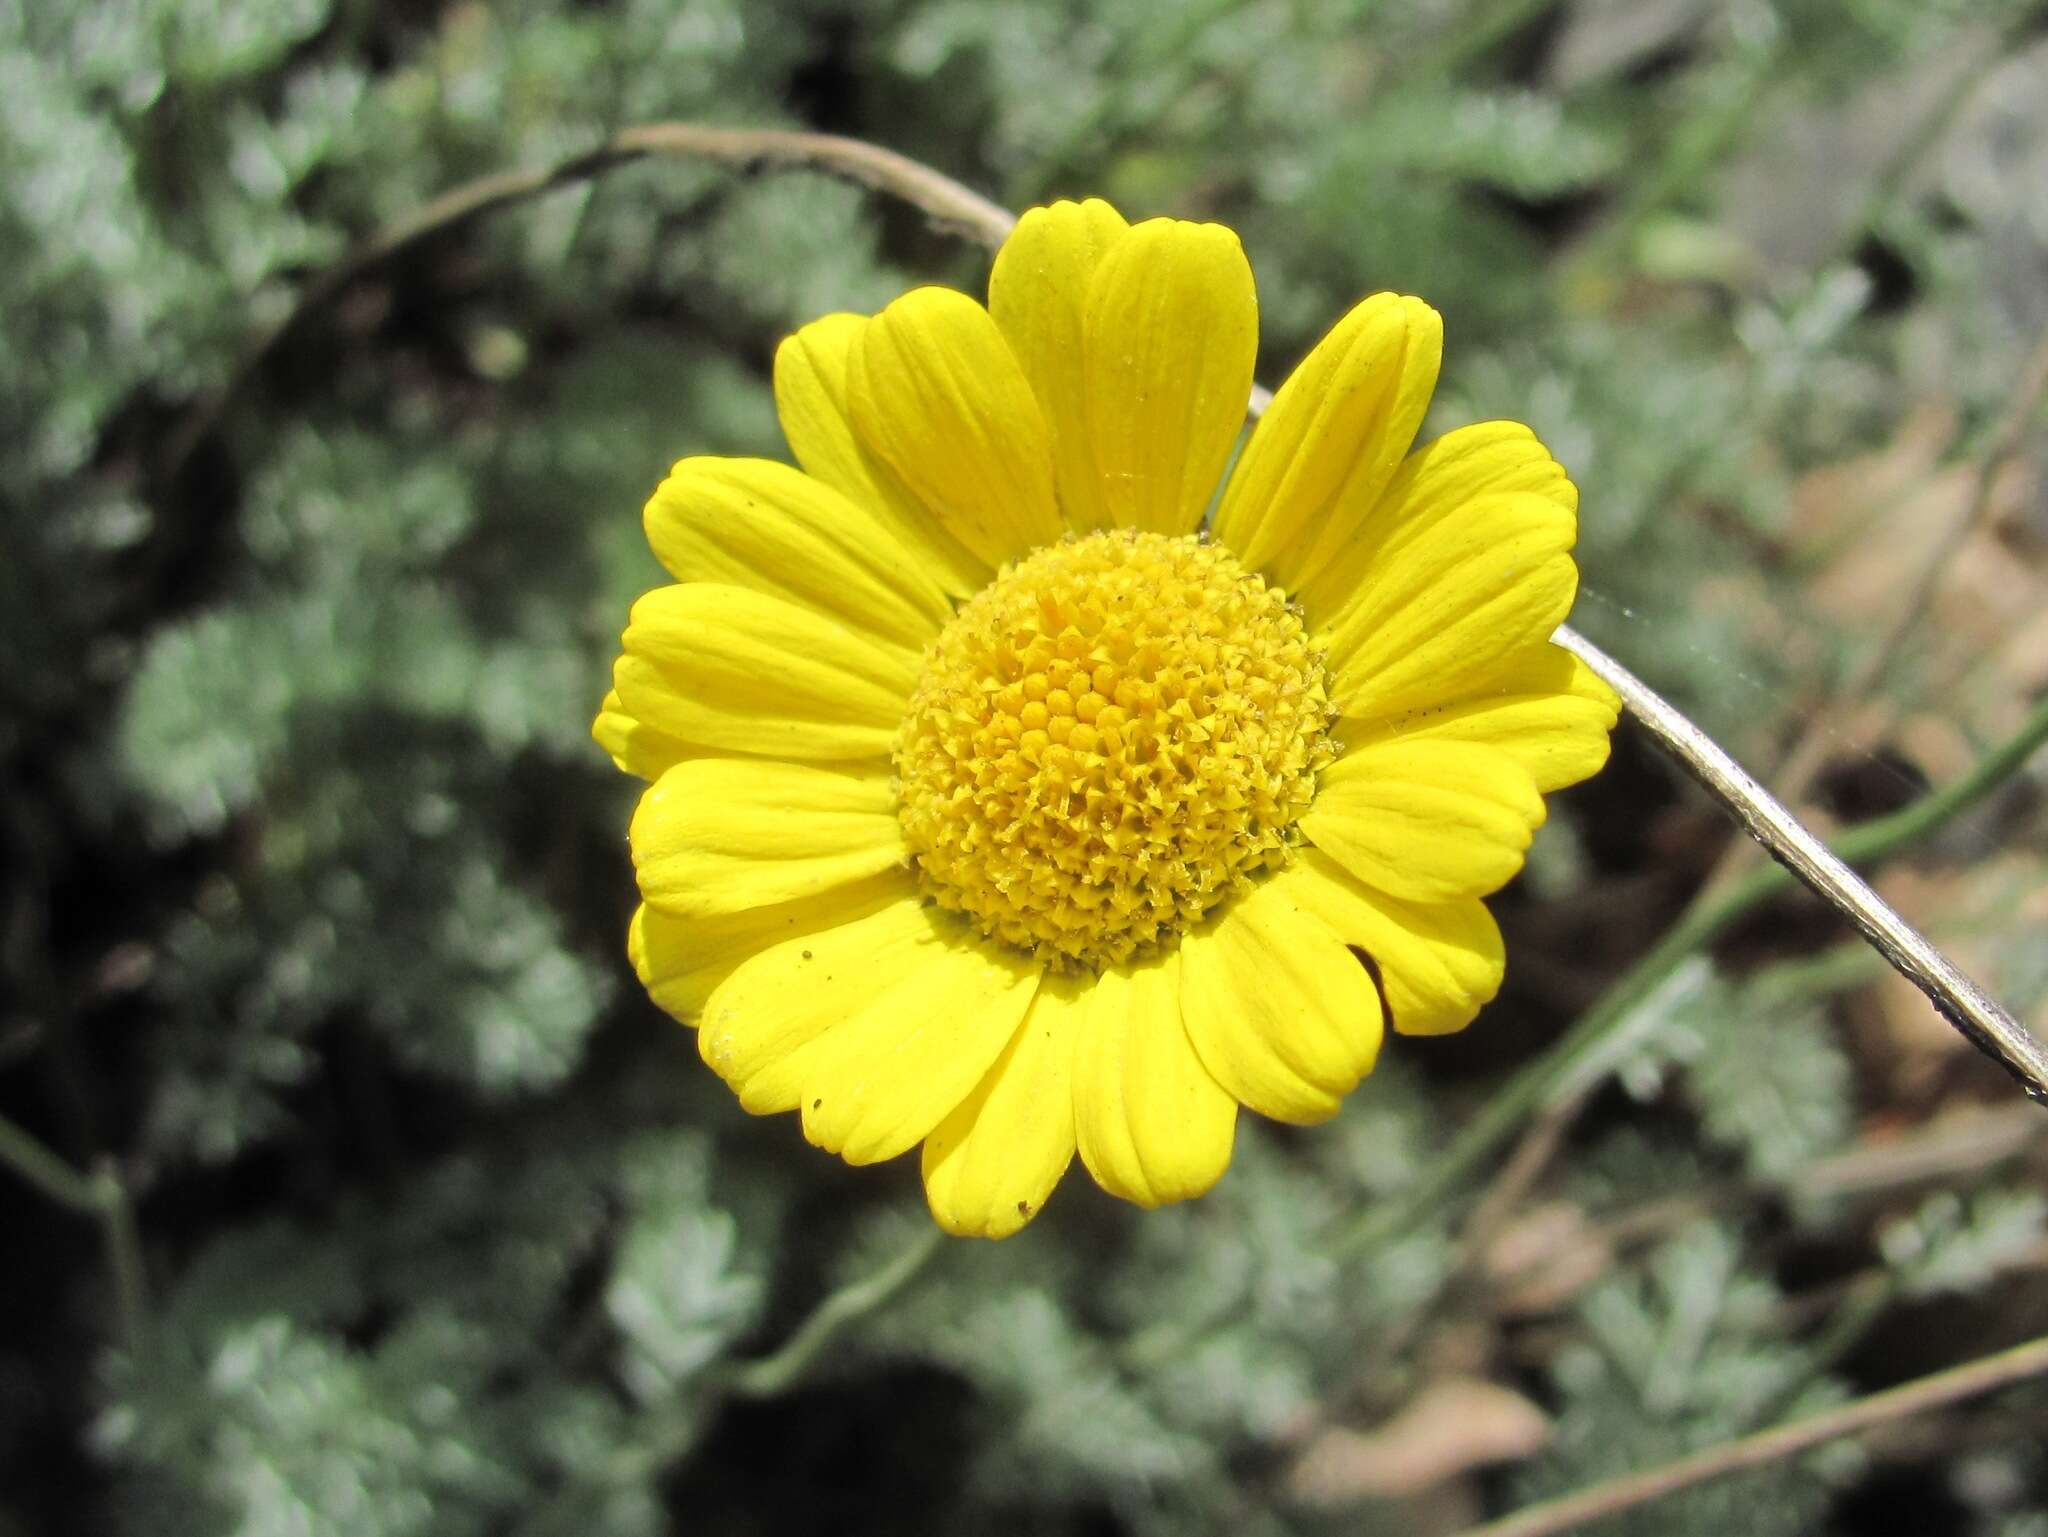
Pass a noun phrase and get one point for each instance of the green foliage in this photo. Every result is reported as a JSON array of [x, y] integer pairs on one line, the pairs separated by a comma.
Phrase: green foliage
[[1957, 1244], [1682, 1357], [1135, 1378], [1760, 1062], [1770, 1080], [682, 1288], [449, 1230], [424, 1363]]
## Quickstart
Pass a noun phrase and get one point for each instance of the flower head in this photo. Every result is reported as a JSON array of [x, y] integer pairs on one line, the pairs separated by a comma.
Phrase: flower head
[[1000, 806]]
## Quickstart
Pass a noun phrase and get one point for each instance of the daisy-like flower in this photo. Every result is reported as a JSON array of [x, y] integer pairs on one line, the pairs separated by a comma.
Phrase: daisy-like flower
[[1001, 807]]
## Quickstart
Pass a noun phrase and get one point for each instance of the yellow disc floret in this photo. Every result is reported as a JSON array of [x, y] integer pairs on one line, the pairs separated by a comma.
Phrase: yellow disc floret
[[1108, 740]]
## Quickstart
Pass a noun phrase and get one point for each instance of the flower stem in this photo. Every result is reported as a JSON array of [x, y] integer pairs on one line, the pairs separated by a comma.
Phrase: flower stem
[[123, 1241], [101, 1195], [46, 1171], [1867, 1301], [775, 1374], [678, 1424]]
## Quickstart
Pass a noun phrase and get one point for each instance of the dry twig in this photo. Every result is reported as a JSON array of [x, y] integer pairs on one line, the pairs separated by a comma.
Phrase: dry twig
[[1773, 1445], [1984, 1022], [946, 201]]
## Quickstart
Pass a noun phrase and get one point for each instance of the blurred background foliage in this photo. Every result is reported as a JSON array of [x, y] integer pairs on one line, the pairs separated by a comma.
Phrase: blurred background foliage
[[315, 885]]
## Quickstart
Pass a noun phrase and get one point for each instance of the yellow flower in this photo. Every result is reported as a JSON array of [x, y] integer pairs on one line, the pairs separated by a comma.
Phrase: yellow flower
[[997, 808]]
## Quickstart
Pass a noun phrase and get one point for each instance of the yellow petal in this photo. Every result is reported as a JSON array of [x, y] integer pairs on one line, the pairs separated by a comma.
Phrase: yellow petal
[[1426, 820], [810, 398], [636, 748], [719, 835], [1434, 482], [1332, 439], [1437, 616], [936, 394], [991, 1164], [1037, 295], [1152, 1125], [876, 1030], [1439, 962], [785, 998], [755, 523], [1283, 1016], [1545, 709], [681, 960], [726, 667], [1172, 330], [881, 1084]]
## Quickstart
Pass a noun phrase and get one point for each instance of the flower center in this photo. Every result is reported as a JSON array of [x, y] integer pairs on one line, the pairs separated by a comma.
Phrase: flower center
[[1109, 739]]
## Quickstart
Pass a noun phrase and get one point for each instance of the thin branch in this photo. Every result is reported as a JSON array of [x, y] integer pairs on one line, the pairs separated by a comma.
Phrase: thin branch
[[101, 1195], [1773, 1445], [677, 1423], [122, 1238], [944, 200], [1584, 1054], [1955, 1148], [1509, 1192], [1860, 1307], [1697, 142], [1489, 27], [776, 1374], [48, 1172], [1881, 837], [1504, 1197], [1981, 1018]]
